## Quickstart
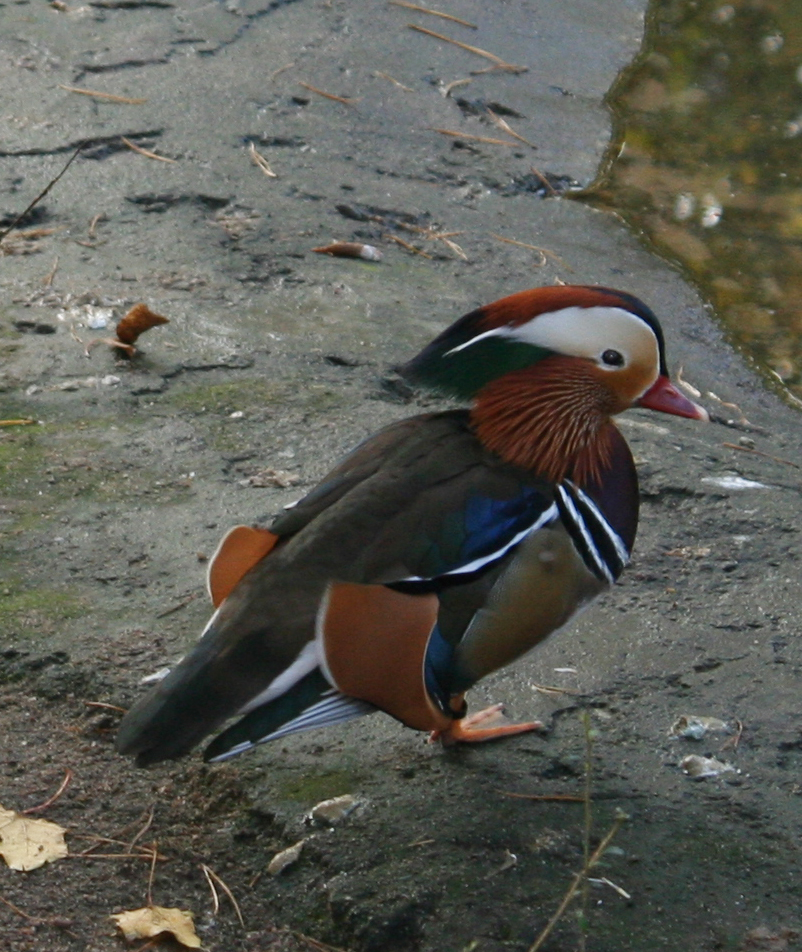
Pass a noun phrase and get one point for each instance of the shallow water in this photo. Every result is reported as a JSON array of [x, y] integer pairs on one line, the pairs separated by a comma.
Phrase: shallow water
[[706, 163]]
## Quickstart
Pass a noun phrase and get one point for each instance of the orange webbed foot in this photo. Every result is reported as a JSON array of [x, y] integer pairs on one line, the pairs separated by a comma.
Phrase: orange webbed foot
[[466, 730]]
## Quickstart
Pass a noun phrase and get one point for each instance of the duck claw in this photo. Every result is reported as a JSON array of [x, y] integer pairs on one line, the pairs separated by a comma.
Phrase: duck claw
[[465, 729]]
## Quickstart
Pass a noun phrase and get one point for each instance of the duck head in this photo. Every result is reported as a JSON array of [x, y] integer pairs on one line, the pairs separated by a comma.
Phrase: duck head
[[547, 369]]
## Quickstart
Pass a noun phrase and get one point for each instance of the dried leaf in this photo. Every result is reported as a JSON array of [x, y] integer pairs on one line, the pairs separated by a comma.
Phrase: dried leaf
[[151, 921], [285, 858], [138, 320], [350, 249], [26, 843]]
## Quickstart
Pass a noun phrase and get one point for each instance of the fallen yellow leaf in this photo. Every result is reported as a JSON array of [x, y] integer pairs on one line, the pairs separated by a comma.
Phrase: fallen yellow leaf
[[151, 921], [27, 843]]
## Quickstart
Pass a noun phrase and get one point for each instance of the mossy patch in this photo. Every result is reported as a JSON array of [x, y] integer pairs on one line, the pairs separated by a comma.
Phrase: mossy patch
[[253, 394], [42, 609], [313, 787]]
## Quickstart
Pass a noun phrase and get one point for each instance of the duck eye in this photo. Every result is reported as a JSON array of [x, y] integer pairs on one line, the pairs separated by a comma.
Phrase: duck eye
[[612, 358]]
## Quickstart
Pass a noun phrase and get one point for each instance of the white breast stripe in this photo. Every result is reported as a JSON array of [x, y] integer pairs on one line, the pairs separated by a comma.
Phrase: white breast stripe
[[612, 535], [545, 518], [579, 523]]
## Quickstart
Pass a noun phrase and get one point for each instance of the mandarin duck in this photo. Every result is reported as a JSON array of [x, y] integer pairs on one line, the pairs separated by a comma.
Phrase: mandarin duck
[[442, 548]]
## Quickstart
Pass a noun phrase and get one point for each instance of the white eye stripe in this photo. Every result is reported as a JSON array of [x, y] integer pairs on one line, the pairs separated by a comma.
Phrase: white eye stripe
[[577, 332], [505, 331]]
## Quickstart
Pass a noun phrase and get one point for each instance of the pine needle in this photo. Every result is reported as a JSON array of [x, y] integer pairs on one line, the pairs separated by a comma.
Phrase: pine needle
[[210, 875], [505, 127], [433, 13], [41, 194], [496, 60], [395, 82], [146, 152], [343, 99], [466, 135], [404, 244], [128, 100], [260, 161]]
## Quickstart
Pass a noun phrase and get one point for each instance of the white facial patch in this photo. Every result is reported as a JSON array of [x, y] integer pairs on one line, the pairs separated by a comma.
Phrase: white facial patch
[[584, 332]]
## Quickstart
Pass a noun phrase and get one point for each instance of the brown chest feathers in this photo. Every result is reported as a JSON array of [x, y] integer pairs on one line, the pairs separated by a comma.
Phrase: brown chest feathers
[[553, 419]]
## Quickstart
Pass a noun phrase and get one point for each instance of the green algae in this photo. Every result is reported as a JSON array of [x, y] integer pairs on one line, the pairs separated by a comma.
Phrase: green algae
[[313, 787]]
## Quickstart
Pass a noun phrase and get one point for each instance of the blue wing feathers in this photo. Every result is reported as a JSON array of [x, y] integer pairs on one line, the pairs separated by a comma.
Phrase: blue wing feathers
[[483, 527]]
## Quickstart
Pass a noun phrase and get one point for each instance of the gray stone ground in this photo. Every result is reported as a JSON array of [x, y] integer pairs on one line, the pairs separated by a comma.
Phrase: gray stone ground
[[279, 358]]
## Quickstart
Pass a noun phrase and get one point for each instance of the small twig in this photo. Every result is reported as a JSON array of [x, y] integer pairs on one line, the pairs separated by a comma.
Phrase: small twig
[[149, 945], [281, 69], [453, 246], [47, 280], [146, 852], [144, 829], [151, 875], [148, 856], [506, 127], [215, 897], [546, 183], [578, 879], [20, 912], [21, 422], [94, 223], [446, 90], [433, 13], [393, 81], [729, 406], [98, 95], [496, 60], [55, 922], [424, 842], [146, 152], [751, 449], [543, 252], [695, 392], [558, 797], [407, 245], [345, 100], [211, 873], [51, 800], [41, 195], [178, 607], [550, 689], [466, 135], [732, 742], [260, 161], [316, 944], [608, 882], [105, 706]]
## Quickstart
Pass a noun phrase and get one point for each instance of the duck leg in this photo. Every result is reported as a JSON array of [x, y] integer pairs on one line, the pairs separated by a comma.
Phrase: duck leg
[[465, 729]]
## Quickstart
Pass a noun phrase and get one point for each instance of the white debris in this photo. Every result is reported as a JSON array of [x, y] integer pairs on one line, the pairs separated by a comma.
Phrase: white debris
[[694, 727], [159, 675], [89, 315], [285, 858], [701, 767], [330, 812], [733, 482]]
